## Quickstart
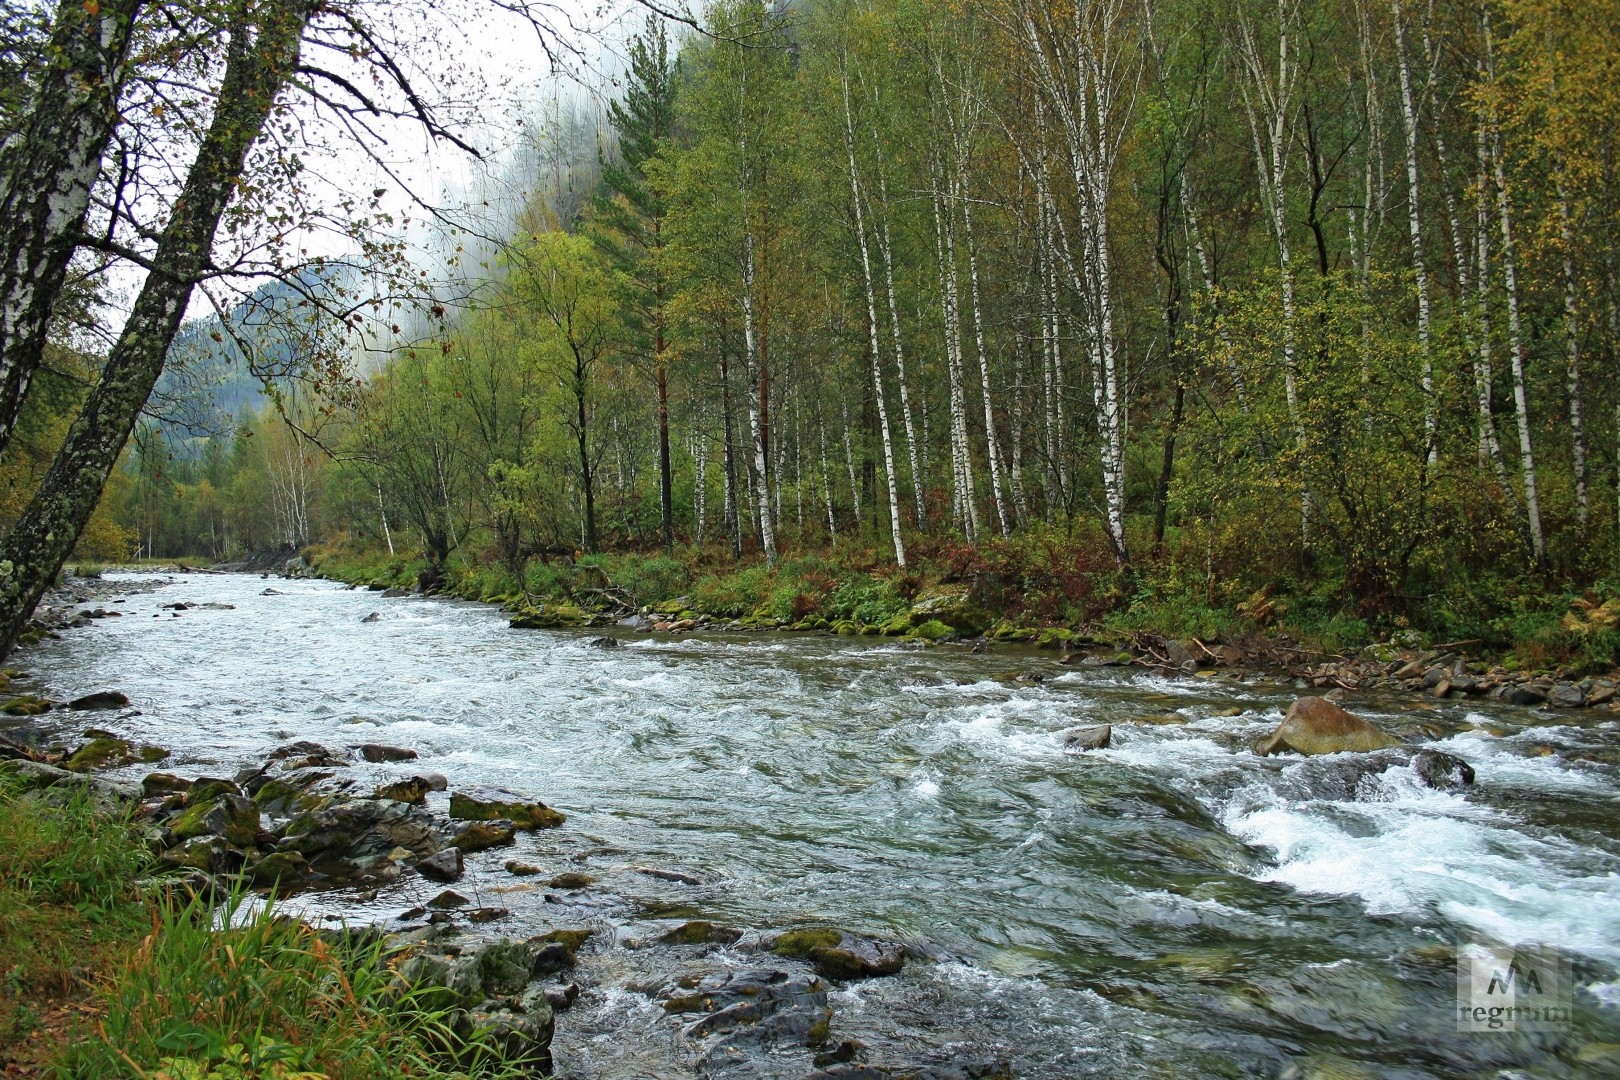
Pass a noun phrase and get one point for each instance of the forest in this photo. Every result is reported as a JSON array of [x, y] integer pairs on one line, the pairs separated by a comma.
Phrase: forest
[[1196, 312]]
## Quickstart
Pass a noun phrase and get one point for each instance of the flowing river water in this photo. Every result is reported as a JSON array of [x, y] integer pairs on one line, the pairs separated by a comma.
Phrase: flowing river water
[[1171, 906]]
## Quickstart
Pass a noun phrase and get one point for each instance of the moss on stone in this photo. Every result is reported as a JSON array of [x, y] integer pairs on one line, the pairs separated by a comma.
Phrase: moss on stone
[[100, 754]]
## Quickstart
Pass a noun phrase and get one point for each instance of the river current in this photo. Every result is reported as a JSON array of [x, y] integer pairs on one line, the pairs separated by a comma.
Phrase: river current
[[1171, 906]]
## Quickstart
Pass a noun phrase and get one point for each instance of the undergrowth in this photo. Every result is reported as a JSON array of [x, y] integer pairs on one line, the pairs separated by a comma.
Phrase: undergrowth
[[167, 987]]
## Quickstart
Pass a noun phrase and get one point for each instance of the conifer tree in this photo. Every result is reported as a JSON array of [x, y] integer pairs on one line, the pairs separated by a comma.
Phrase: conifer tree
[[629, 221]]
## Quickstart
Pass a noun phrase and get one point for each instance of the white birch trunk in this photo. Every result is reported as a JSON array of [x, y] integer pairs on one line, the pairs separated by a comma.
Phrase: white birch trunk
[[872, 336], [1516, 352]]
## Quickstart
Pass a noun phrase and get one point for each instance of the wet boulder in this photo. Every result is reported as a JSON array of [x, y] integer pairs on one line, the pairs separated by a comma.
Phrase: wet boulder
[[1442, 771], [952, 606], [520, 1036], [490, 804], [484, 991], [1096, 737], [443, 866], [1315, 725], [1567, 695], [603, 643], [377, 752], [207, 788], [839, 954], [362, 839]]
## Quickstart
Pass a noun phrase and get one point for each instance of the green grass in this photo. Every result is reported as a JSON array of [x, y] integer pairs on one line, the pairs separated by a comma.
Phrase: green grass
[[160, 993]]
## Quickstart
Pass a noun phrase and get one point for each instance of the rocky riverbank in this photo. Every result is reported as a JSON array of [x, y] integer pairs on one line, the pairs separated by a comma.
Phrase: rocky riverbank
[[749, 1001]]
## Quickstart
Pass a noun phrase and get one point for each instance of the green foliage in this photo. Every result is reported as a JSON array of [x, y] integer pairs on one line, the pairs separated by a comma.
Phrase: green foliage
[[270, 998], [870, 601]]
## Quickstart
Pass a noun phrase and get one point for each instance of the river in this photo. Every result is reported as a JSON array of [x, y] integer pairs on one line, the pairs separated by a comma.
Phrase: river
[[1172, 906]]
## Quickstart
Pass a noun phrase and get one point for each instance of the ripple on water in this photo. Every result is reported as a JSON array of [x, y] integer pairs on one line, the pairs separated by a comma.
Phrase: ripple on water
[[918, 794]]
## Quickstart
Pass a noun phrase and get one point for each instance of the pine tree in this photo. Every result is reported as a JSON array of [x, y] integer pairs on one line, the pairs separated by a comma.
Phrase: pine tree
[[628, 221]]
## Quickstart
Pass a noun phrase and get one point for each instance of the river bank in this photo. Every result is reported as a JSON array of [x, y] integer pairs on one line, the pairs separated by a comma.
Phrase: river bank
[[1171, 902], [1253, 640]]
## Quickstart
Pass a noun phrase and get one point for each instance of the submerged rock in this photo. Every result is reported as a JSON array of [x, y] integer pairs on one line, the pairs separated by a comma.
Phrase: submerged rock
[[838, 954], [490, 804], [767, 1005], [105, 699], [568, 880], [1317, 726]]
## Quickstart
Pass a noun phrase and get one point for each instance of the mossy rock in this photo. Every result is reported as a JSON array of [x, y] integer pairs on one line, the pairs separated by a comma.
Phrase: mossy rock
[[548, 617], [151, 755], [492, 804], [230, 816], [26, 705], [933, 630], [205, 789], [277, 795], [411, 790], [896, 627], [101, 753], [483, 835], [838, 954], [572, 940], [701, 932], [951, 605], [846, 628], [159, 784], [206, 853], [280, 868], [1054, 637]]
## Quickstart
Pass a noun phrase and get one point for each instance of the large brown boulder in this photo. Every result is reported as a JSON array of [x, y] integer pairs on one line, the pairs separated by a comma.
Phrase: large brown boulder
[[1317, 726]]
